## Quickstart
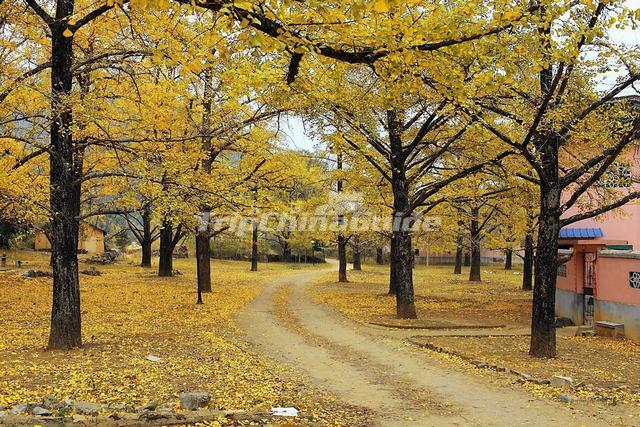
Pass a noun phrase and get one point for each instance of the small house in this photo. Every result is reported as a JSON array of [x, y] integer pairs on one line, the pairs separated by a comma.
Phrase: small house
[[598, 280], [90, 239]]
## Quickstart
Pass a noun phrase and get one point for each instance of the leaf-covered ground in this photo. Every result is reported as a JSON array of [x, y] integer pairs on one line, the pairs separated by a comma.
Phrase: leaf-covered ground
[[130, 313], [440, 295], [608, 369]]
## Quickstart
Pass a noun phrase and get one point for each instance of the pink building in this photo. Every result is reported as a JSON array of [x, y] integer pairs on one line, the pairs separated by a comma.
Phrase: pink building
[[599, 278]]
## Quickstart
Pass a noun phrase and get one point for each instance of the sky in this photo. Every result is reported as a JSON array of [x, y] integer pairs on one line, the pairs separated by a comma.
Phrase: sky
[[294, 131]]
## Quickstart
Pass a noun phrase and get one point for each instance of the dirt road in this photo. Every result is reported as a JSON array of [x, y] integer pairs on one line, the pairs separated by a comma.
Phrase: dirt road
[[375, 368]]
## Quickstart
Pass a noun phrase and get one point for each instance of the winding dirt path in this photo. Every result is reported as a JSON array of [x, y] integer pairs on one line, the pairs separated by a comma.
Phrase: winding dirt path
[[375, 368]]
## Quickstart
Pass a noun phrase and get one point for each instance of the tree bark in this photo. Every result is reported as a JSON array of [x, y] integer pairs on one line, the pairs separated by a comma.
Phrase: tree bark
[[543, 331], [203, 261], [467, 259], [357, 254], [254, 247], [203, 237], [393, 280], [65, 188], [286, 252], [457, 269], [357, 261], [474, 272], [165, 266], [379, 256], [508, 259], [146, 239], [527, 273], [342, 259], [402, 258]]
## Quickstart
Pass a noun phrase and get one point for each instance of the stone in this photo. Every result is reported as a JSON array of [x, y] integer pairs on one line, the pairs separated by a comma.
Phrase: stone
[[20, 409], [151, 406], [152, 358], [49, 402], [566, 398], [478, 363], [561, 382], [80, 418], [195, 399], [563, 322], [39, 410], [86, 408], [119, 407], [523, 378], [91, 272], [585, 331], [109, 257], [30, 274], [540, 381]]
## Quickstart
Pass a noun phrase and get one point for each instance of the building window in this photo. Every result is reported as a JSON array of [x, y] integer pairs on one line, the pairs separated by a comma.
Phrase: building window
[[634, 279], [562, 270], [618, 176]]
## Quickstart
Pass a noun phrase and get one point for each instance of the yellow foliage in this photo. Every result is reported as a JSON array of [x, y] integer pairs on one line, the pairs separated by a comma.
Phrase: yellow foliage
[[128, 314]]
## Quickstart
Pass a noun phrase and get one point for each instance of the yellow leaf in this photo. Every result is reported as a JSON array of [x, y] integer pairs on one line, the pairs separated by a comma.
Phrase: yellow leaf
[[67, 33], [381, 6]]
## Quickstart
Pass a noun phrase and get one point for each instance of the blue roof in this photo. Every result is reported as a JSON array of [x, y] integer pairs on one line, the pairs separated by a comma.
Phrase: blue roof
[[581, 233]]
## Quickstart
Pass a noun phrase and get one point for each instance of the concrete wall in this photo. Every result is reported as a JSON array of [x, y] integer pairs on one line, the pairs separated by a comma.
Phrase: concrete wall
[[612, 270], [615, 300], [627, 314], [569, 304]]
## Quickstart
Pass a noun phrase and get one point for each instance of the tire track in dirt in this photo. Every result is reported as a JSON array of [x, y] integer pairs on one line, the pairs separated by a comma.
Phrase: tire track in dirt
[[367, 368]]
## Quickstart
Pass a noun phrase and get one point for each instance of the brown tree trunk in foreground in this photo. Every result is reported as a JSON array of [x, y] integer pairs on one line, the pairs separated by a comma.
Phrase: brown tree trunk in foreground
[[342, 259], [146, 239], [65, 187], [527, 273], [403, 269], [508, 259], [393, 280], [543, 331], [402, 258], [254, 247]]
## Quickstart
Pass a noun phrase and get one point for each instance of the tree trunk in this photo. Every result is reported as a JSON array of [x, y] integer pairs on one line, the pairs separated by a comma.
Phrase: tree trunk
[[393, 280], [146, 239], [457, 269], [357, 254], [467, 259], [543, 331], [403, 270], [65, 188], [203, 261], [286, 252], [357, 261], [402, 258], [379, 256], [527, 274], [254, 247], [165, 266], [474, 272], [342, 259], [508, 259]]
